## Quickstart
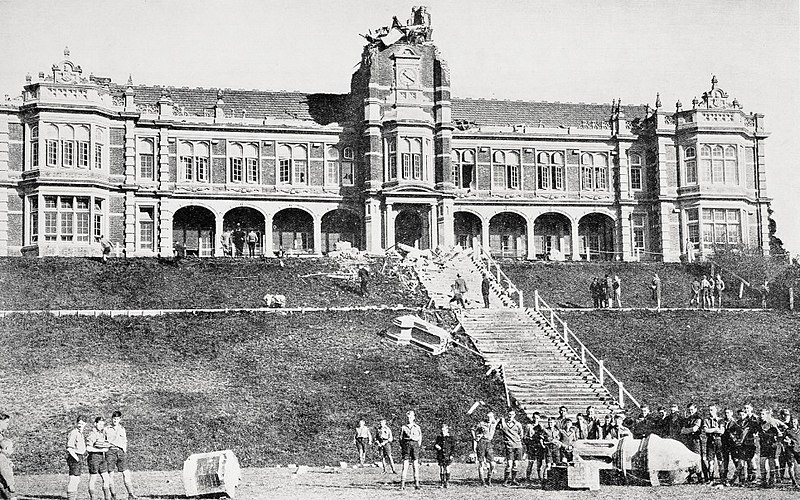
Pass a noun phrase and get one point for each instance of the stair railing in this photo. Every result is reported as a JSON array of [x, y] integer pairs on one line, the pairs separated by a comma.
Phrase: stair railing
[[589, 360], [486, 263]]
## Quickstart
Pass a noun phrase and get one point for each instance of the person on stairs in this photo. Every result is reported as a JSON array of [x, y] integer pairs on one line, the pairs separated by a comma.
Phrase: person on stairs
[[485, 287], [445, 447], [459, 288]]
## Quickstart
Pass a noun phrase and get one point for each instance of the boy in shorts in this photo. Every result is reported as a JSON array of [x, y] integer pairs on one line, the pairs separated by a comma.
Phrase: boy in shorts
[[482, 435], [116, 455], [96, 446], [383, 440], [76, 453], [410, 444], [363, 439], [445, 446]]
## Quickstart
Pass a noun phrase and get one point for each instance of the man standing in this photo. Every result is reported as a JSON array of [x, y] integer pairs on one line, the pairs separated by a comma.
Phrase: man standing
[[608, 286], [116, 456], [719, 286], [459, 289], [655, 286], [712, 425], [705, 293], [410, 445], [225, 238], [252, 239], [383, 439], [237, 237], [550, 439], [674, 423], [731, 437], [786, 445], [594, 289], [532, 446], [363, 440], [561, 421], [694, 292], [482, 435], [618, 291], [593, 427], [691, 432], [643, 426], [485, 288], [511, 430], [76, 454], [363, 279], [768, 431], [750, 425], [96, 446]]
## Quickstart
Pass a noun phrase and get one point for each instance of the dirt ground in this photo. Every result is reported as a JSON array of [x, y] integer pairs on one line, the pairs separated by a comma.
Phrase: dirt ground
[[346, 484]]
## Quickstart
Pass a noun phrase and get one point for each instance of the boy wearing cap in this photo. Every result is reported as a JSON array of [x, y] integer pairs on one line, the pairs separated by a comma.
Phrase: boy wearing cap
[[76, 453], [116, 455]]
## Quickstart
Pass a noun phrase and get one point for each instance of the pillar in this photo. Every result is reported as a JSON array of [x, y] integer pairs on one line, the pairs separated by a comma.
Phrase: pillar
[[217, 243], [373, 226], [574, 244], [4, 137], [130, 224], [268, 250], [485, 236], [391, 215], [163, 158], [317, 235], [531, 241], [165, 214], [446, 224], [624, 234]]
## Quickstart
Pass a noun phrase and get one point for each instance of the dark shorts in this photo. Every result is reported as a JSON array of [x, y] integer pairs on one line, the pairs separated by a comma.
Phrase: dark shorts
[[97, 463], [75, 466], [116, 460], [409, 450], [443, 461], [385, 450], [552, 455], [484, 451], [513, 454], [361, 444], [747, 452]]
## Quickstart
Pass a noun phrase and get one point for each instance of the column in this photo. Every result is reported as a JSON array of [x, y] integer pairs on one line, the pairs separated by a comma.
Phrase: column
[[373, 226], [433, 230], [130, 224], [317, 235], [165, 214], [268, 251], [446, 223], [575, 243], [531, 242], [391, 215], [130, 153], [624, 235], [217, 243], [485, 236], [163, 158], [4, 192]]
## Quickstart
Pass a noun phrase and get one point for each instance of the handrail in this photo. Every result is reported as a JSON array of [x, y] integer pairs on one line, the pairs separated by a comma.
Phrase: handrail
[[485, 261], [583, 353]]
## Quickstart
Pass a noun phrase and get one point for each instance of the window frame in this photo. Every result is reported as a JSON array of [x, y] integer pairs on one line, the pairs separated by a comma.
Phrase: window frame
[[636, 171]]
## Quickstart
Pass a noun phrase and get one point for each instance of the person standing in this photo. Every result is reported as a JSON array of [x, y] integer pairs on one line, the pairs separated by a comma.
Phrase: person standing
[[712, 285], [719, 287], [713, 428], [363, 280], [550, 441], [252, 240], [593, 426], [608, 286], [561, 421], [705, 293], [731, 437], [594, 290], [96, 446], [485, 288], [105, 248], [768, 432], [694, 292], [618, 291], [786, 445], [410, 445], [459, 289], [643, 426], [674, 423], [511, 431], [750, 425], [445, 448], [238, 237], [764, 294], [76, 454], [116, 456], [532, 446], [383, 439], [482, 435], [655, 286], [363, 439], [8, 488], [225, 238], [692, 437]]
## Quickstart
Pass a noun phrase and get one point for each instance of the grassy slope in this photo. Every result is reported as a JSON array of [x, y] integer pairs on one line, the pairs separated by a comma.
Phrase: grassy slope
[[567, 284], [683, 356], [274, 388], [53, 283]]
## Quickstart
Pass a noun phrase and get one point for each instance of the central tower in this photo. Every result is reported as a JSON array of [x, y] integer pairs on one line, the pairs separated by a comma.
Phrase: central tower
[[403, 84]]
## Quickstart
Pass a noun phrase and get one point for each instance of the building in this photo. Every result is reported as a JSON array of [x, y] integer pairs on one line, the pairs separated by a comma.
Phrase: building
[[396, 160]]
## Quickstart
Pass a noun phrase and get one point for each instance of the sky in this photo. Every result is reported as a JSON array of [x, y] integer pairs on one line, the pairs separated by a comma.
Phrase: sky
[[568, 51]]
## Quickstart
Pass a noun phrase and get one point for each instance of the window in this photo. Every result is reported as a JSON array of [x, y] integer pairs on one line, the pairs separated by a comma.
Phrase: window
[[705, 164], [33, 203], [638, 224], [146, 228], [550, 170], [67, 218], [587, 171], [252, 170], [52, 152], [34, 145], [82, 142], [98, 217], [731, 170], [594, 172], [721, 227], [636, 172], [237, 170], [332, 166], [601, 172], [693, 226], [67, 146], [146, 159], [411, 159], [99, 140], [717, 165], [194, 160], [50, 218], [463, 165], [243, 163], [691, 165], [348, 166], [292, 164], [392, 147]]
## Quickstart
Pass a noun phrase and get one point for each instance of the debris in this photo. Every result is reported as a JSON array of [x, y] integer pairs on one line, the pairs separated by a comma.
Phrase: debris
[[211, 473]]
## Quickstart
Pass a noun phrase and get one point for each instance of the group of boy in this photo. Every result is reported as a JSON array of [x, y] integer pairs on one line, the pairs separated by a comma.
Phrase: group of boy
[[706, 293], [410, 448], [105, 451], [605, 291], [233, 242], [734, 437]]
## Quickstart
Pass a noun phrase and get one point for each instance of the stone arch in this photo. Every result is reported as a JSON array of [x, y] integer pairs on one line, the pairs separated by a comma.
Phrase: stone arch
[[341, 224], [293, 230], [467, 228], [508, 235], [237, 223], [552, 238], [596, 236], [194, 226]]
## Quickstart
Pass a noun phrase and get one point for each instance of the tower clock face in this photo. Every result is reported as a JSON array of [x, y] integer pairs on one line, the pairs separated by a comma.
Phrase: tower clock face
[[408, 77]]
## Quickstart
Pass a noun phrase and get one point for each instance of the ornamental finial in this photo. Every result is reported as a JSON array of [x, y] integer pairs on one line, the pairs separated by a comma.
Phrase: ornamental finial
[[66, 52], [713, 82]]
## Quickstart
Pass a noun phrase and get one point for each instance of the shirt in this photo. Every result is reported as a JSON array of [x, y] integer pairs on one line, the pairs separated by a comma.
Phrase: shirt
[[116, 436], [512, 433], [363, 432], [76, 442], [485, 430], [7, 472], [384, 435], [96, 441], [461, 285], [411, 432], [445, 445]]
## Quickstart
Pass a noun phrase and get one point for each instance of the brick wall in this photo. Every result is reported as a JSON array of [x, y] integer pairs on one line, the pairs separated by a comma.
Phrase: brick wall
[[116, 159], [15, 157], [116, 136], [218, 170], [268, 172], [15, 223], [15, 131]]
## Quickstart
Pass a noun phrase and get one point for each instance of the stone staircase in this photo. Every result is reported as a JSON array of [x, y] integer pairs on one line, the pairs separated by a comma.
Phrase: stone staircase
[[437, 281], [540, 371]]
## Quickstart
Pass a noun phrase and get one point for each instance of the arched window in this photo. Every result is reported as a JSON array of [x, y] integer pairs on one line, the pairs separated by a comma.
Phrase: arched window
[[513, 180], [82, 144], [587, 171], [391, 147], [348, 166], [51, 145], [243, 163], [99, 144], [636, 171], [690, 162], [463, 169], [146, 149], [292, 164], [601, 172], [194, 159], [717, 165], [705, 163], [731, 169], [251, 163], [550, 170], [411, 158], [67, 146], [332, 166], [236, 162]]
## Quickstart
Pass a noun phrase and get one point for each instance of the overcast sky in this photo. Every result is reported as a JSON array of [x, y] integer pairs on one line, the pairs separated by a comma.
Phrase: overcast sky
[[574, 51]]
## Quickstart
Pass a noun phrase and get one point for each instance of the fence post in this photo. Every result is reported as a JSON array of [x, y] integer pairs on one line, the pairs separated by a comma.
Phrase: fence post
[[566, 332], [621, 396], [583, 354], [791, 298], [536, 299], [602, 369], [552, 318], [519, 295]]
